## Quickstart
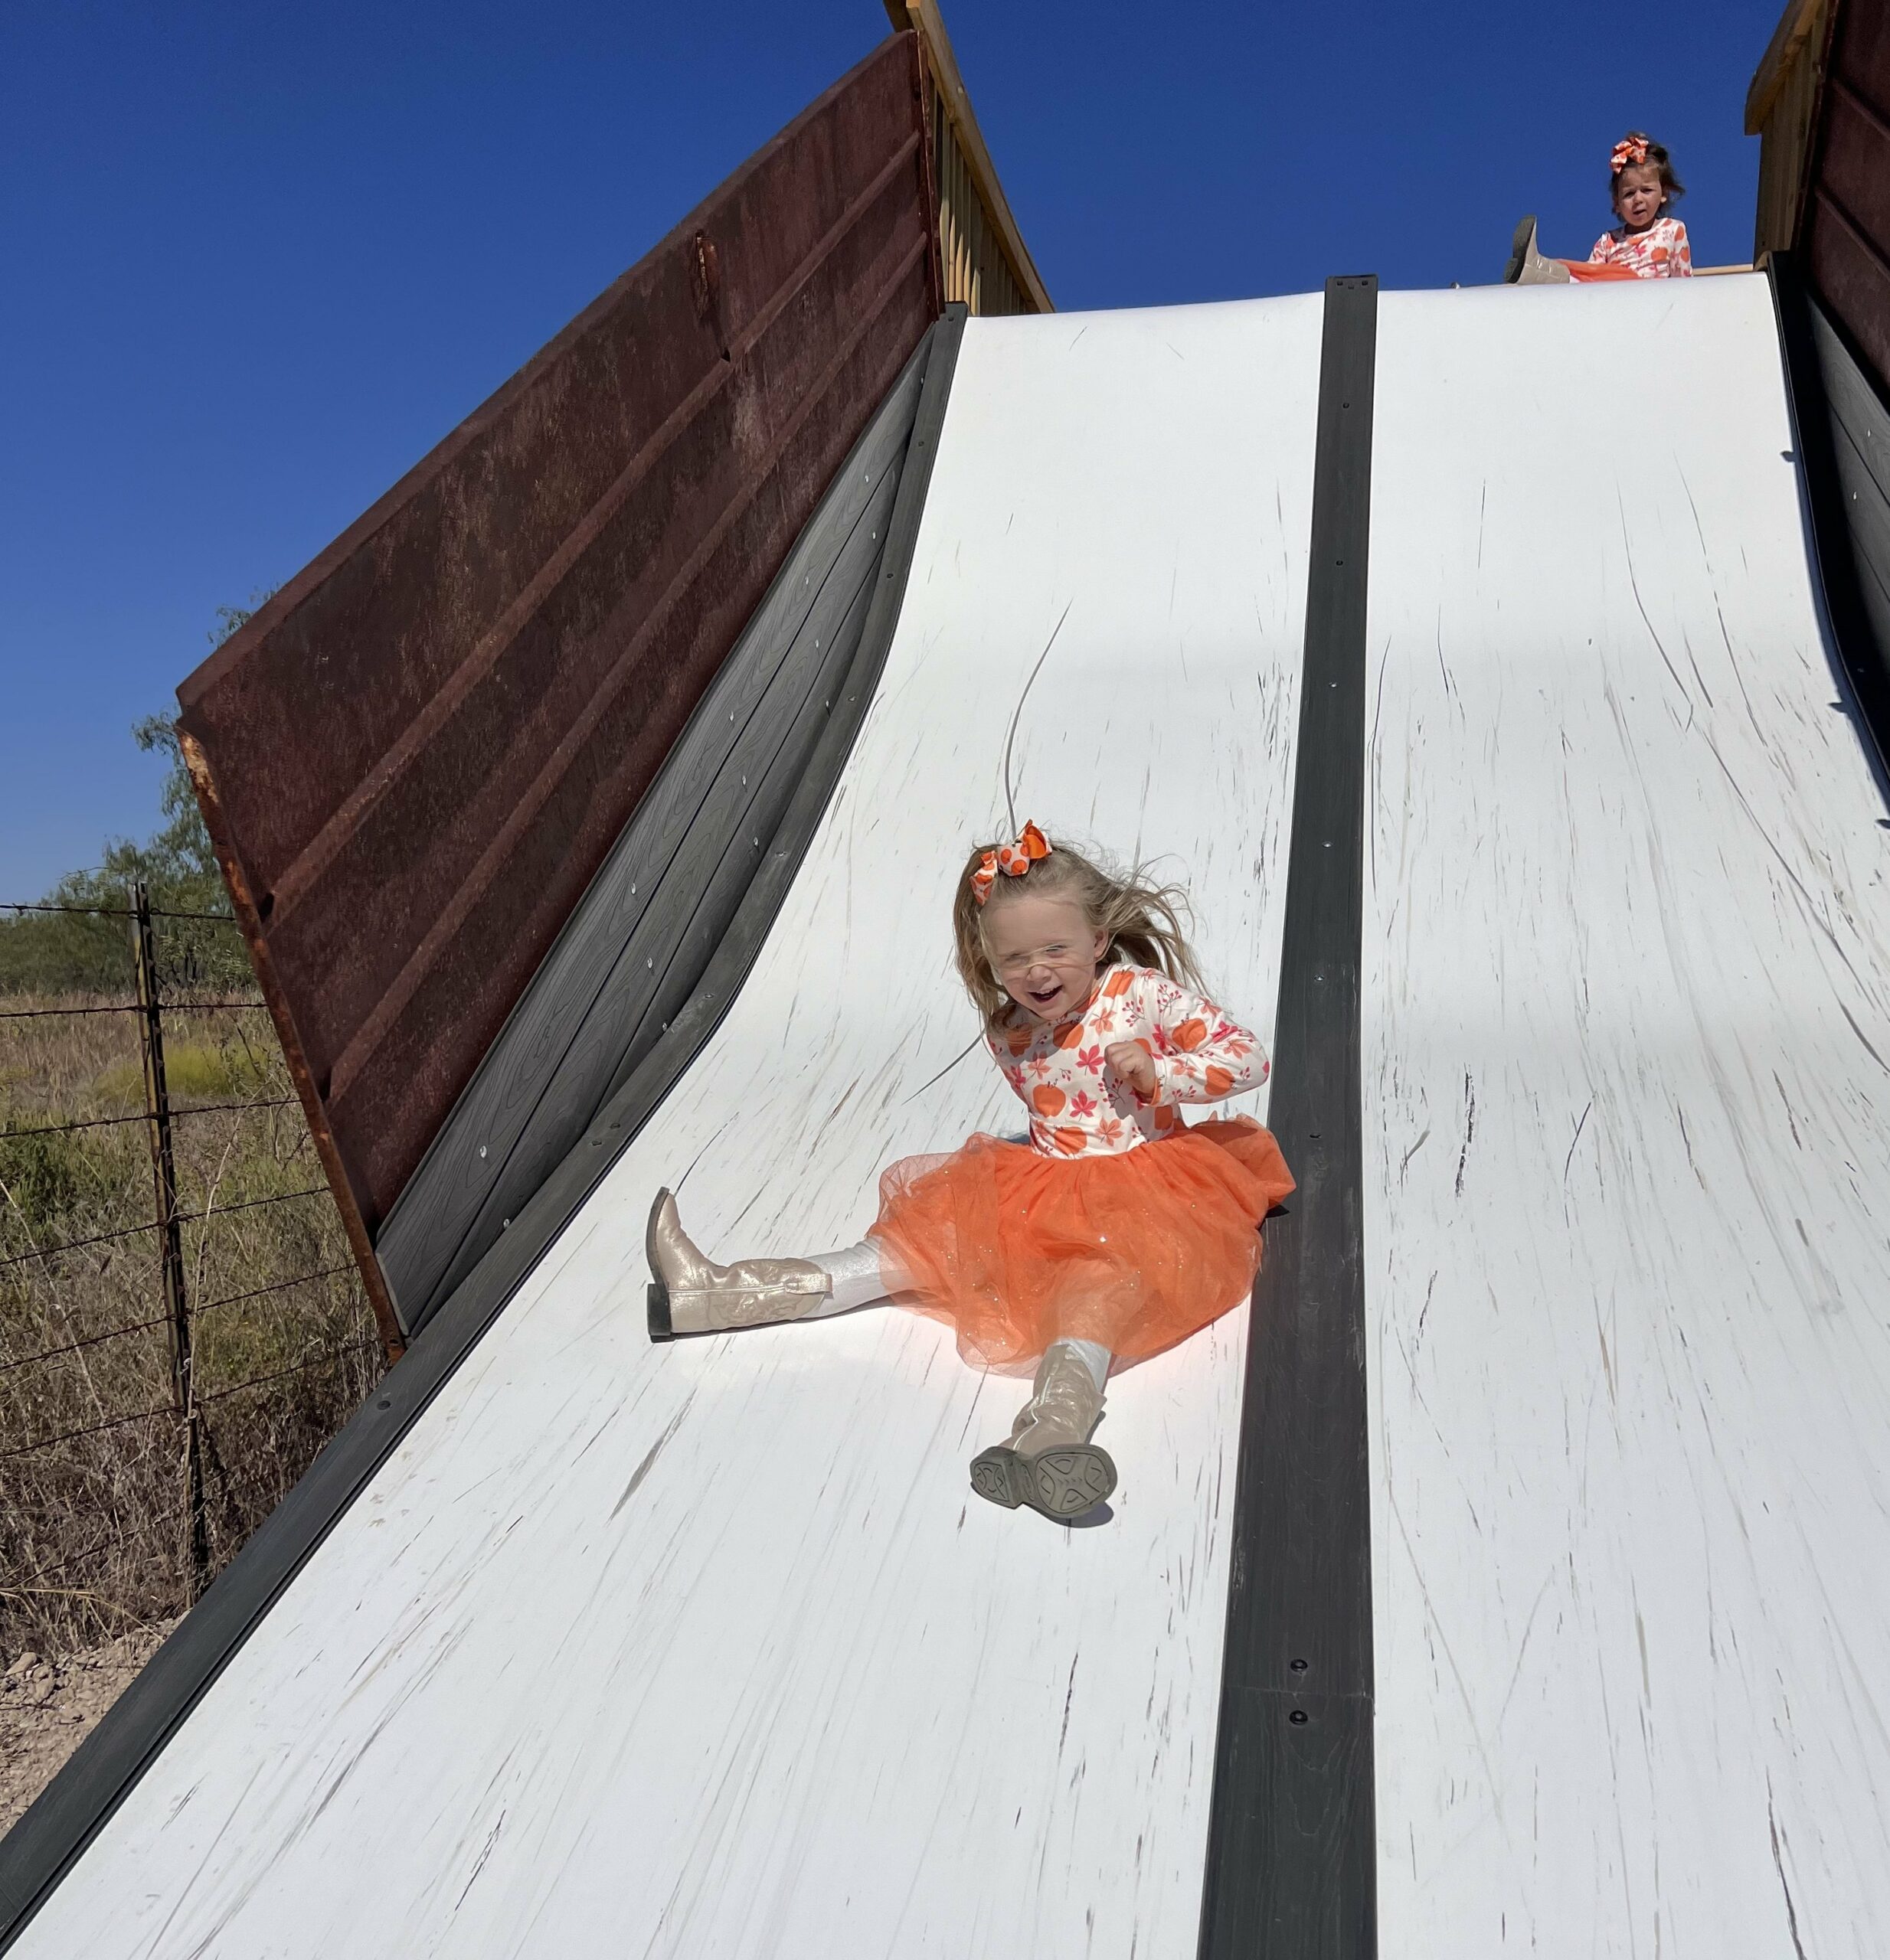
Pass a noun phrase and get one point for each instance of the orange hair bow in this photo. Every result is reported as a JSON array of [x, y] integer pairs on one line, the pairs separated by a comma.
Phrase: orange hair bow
[[1013, 860], [1630, 149]]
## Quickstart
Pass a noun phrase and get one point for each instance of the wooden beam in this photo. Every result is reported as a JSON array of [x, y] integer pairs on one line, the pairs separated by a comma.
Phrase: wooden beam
[[1800, 19], [922, 17]]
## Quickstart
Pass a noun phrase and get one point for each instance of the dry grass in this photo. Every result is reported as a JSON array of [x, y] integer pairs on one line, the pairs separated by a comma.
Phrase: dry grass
[[93, 1529]]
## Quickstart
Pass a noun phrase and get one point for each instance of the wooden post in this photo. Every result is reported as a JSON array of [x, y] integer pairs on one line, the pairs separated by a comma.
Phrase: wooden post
[[170, 1239]]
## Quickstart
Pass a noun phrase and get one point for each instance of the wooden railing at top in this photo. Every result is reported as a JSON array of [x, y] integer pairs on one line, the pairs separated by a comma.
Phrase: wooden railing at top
[[1780, 108], [986, 263]]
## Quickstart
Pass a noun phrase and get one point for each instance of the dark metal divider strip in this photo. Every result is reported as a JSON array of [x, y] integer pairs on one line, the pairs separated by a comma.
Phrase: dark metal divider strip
[[1291, 1864], [46, 1842]]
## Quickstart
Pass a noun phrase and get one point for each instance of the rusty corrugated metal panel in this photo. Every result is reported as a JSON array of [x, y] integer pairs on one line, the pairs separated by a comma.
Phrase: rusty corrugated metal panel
[[1846, 223], [416, 756]]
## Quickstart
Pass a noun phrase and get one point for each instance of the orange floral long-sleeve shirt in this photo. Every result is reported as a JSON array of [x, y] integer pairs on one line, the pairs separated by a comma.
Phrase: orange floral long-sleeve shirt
[[1660, 252], [1078, 1104]]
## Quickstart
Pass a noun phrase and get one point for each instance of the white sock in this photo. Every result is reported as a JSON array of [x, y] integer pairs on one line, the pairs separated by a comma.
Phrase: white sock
[[857, 1280], [1093, 1355]]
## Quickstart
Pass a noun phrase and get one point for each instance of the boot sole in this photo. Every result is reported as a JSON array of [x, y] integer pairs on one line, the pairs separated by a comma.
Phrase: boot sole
[[1061, 1484], [1519, 251], [660, 1328]]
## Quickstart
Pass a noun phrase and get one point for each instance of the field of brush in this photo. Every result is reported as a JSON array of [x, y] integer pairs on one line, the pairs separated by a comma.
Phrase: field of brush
[[93, 1514]]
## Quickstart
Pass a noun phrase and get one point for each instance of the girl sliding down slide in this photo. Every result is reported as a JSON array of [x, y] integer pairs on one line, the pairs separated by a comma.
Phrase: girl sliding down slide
[[1116, 1231], [1647, 243]]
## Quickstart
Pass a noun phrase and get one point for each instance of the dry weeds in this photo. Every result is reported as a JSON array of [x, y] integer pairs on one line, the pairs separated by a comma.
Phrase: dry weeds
[[94, 1527]]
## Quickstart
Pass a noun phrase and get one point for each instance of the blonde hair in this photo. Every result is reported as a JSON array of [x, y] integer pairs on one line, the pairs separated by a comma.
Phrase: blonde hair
[[1143, 920]]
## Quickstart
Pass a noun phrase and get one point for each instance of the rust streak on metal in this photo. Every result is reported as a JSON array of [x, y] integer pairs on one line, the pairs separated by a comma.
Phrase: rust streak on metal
[[707, 268]]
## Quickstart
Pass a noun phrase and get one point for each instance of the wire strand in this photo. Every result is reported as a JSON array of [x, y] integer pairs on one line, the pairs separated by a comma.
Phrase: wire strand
[[294, 1368], [164, 1320], [279, 1286], [149, 1524], [170, 1409], [157, 1224], [118, 912], [76, 911], [144, 1116], [128, 1006], [87, 1340]]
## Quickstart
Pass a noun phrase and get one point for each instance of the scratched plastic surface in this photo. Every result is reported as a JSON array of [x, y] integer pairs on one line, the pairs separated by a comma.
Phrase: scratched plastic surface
[[1627, 989], [706, 1650]]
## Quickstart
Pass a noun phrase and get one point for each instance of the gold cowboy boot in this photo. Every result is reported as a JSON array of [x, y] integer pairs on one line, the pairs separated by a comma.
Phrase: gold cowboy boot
[[1049, 1463], [689, 1294], [1527, 266]]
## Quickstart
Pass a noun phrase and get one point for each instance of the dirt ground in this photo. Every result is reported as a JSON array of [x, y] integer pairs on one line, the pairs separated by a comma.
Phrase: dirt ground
[[48, 1707]]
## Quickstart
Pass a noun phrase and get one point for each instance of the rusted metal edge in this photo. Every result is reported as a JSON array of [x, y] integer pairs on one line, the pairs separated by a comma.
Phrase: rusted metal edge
[[328, 1152]]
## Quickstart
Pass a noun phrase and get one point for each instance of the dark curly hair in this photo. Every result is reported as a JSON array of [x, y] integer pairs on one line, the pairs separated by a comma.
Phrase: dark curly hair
[[1671, 187]]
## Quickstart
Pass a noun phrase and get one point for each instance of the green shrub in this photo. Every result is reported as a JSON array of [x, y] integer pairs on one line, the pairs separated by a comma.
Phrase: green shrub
[[43, 1178], [193, 1072], [76, 951]]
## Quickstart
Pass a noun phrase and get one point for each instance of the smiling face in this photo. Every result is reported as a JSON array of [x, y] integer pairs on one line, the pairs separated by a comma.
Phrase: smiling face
[[1045, 953], [1638, 195]]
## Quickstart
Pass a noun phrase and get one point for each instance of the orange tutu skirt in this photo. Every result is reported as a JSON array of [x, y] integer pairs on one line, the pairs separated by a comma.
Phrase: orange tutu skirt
[[1137, 1249]]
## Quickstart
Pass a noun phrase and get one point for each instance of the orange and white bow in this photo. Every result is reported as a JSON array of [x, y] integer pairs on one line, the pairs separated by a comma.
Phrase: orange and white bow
[[1630, 149], [1013, 860]]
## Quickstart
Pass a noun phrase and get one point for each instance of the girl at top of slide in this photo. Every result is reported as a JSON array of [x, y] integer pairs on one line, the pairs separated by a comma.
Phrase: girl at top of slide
[[1116, 1230], [1647, 243]]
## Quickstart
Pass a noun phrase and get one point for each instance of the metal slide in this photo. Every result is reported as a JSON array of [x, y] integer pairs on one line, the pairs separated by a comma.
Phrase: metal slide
[[706, 1650], [1627, 1048]]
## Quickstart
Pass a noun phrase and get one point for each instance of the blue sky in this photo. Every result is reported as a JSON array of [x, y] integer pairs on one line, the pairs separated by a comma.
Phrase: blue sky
[[254, 261]]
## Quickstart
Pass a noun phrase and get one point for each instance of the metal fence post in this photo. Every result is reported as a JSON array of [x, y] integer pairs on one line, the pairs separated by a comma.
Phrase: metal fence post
[[170, 1235]]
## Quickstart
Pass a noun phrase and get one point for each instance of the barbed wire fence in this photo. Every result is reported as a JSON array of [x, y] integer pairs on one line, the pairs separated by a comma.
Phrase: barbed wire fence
[[181, 1324]]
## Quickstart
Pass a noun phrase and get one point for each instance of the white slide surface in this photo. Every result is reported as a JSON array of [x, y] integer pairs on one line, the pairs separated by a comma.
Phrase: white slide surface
[[707, 1650], [1627, 1015]]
